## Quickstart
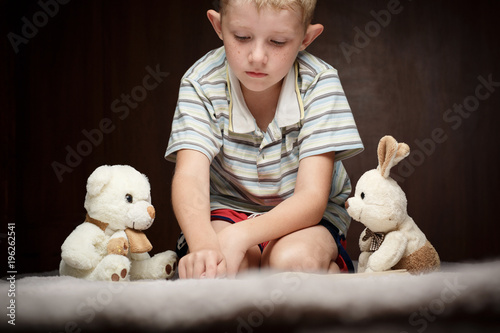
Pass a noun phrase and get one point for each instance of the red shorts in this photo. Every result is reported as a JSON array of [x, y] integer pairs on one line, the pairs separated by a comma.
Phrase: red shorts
[[233, 216], [343, 260]]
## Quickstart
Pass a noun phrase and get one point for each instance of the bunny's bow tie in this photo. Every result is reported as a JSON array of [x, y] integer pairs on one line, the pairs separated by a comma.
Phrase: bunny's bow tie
[[377, 239]]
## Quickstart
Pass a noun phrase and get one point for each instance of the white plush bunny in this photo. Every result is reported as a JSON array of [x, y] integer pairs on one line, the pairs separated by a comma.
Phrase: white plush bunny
[[110, 244], [391, 239]]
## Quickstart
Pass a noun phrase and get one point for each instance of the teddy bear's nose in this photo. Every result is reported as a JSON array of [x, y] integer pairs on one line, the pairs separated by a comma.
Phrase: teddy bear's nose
[[346, 204], [151, 211]]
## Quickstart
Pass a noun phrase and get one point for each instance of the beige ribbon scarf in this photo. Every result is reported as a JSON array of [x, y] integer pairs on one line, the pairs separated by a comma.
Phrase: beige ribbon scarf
[[138, 241]]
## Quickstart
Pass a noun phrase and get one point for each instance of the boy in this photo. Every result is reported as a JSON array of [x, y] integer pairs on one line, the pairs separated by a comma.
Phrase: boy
[[258, 134]]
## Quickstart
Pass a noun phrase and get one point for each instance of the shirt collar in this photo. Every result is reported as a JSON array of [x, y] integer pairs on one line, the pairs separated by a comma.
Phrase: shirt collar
[[289, 111]]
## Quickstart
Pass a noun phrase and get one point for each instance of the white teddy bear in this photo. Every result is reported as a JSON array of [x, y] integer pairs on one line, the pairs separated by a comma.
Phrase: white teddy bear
[[110, 245], [391, 239]]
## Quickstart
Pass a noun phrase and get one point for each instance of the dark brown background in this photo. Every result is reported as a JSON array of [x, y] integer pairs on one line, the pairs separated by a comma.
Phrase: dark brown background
[[65, 79]]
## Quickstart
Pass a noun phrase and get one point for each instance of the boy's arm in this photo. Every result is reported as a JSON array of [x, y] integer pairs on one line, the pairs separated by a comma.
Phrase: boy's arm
[[191, 203], [304, 209]]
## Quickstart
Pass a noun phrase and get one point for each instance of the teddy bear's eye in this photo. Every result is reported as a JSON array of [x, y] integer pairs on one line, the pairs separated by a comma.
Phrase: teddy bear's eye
[[362, 195], [129, 198]]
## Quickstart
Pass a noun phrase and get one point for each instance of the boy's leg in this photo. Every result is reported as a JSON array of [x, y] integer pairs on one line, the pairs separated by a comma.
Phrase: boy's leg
[[253, 255], [311, 249]]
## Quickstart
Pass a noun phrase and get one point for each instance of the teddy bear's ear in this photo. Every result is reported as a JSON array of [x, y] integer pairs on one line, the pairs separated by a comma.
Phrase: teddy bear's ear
[[390, 153], [98, 179]]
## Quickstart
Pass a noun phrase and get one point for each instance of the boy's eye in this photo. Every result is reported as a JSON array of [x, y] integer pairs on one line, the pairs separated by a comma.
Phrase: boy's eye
[[277, 43], [241, 38]]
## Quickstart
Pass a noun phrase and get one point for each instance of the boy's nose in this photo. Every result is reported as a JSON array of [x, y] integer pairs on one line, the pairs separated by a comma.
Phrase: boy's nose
[[258, 55]]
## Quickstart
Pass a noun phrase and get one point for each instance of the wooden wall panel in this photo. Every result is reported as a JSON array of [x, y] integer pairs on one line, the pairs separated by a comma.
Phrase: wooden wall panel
[[401, 80]]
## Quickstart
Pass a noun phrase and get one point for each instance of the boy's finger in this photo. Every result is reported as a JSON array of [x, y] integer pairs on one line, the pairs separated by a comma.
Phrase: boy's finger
[[221, 270], [198, 269], [231, 273], [211, 269], [189, 264], [233, 268], [182, 269]]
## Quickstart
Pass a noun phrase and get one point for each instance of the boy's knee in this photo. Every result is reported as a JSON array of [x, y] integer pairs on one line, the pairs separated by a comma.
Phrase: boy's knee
[[298, 258], [251, 259]]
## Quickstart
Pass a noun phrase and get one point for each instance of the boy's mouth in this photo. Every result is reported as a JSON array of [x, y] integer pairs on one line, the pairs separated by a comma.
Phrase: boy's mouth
[[256, 75]]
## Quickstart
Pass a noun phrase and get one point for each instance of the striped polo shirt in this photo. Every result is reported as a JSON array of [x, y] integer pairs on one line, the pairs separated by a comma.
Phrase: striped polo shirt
[[251, 170]]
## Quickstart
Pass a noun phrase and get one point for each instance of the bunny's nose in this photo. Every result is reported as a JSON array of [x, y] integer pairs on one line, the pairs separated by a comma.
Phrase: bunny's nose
[[346, 204], [151, 212]]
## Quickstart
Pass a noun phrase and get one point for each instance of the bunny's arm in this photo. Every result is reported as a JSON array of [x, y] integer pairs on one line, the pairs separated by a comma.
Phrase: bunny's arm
[[364, 243], [389, 254]]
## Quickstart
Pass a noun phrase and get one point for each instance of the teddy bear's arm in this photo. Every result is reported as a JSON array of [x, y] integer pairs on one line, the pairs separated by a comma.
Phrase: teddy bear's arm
[[389, 253], [79, 250], [118, 243]]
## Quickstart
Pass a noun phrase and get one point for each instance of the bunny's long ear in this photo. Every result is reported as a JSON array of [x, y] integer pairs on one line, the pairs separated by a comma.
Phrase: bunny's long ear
[[98, 179], [390, 153], [403, 151]]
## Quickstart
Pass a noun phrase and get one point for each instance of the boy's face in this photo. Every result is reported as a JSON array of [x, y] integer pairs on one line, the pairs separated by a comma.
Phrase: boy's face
[[261, 46]]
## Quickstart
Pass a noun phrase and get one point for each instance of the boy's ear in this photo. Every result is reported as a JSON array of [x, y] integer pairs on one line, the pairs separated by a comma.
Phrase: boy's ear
[[313, 31], [215, 18]]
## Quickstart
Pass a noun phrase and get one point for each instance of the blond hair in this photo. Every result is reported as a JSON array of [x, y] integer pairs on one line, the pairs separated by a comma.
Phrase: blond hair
[[305, 6]]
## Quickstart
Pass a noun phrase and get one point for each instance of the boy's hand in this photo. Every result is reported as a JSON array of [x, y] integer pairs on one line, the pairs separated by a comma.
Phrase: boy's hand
[[202, 264], [233, 245]]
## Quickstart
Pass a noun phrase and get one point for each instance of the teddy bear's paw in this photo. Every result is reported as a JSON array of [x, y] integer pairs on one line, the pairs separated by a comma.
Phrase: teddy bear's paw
[[169, 261], [112, 268], [123, 274], [118, 274], [161, 266], [118, 246], [170, 269]]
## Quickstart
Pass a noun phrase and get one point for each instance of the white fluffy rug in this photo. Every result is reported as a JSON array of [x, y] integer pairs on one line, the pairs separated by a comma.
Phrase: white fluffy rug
[[460, 298]]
